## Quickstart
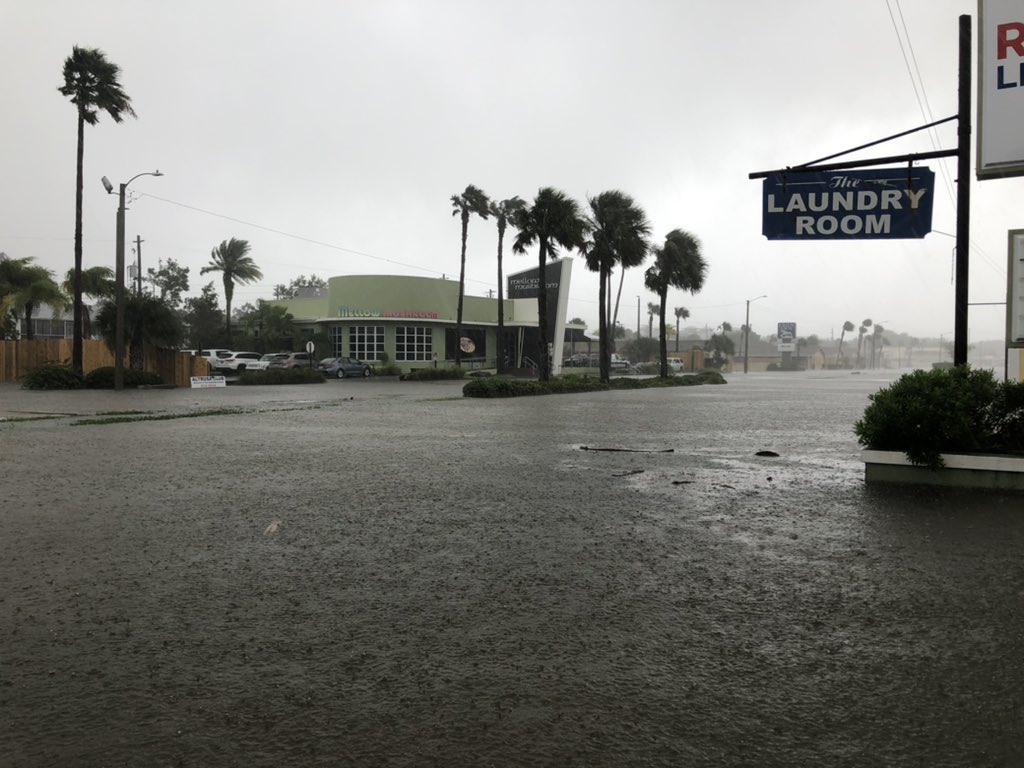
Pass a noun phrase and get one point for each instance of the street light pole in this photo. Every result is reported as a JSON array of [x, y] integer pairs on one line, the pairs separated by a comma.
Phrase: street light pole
[[746, 332], [119, 277]]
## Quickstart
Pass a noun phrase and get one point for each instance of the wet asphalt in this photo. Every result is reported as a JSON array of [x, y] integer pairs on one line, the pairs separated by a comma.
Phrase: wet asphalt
[[460, 582]]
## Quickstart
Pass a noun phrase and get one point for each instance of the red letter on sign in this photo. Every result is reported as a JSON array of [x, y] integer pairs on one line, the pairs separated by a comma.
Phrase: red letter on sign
[[1003, 32]]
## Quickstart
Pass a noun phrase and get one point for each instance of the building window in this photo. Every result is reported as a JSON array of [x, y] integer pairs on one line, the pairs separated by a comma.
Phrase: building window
[[337, 337], [414, 343], [366, 342]]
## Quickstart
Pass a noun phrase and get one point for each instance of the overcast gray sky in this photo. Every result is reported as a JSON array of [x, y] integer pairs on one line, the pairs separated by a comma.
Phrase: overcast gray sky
[[351, 124]]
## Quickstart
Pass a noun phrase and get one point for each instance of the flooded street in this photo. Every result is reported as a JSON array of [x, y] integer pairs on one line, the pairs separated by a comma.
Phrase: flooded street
[[461, 582]]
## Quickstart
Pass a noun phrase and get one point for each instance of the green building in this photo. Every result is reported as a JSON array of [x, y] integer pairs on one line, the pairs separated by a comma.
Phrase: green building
[[412, 320]]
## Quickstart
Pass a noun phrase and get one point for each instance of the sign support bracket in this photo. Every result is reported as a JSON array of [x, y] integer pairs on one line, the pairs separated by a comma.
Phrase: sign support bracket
[[963, 181]]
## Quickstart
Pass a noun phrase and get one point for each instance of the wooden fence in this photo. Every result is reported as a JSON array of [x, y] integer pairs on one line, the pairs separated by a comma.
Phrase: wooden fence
[[18, 357]]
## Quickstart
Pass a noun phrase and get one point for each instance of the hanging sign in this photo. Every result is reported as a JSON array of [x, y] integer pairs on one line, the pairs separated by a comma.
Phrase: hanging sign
[[888, 203]]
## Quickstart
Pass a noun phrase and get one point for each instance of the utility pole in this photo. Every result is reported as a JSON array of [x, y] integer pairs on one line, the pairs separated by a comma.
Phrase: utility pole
[[138, 266]]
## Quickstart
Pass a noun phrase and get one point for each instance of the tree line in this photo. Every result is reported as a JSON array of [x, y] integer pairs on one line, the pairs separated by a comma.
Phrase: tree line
[[613, 232]]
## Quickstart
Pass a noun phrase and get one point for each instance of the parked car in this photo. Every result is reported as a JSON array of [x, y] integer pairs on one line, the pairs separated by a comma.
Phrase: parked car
[[239, 362], [272, 356], [675, 365], [211, 356], [291, 360], [341, 367]]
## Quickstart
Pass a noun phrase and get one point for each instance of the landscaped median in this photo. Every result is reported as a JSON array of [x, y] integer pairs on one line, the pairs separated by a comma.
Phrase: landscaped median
[[957, 427], [504, 386]]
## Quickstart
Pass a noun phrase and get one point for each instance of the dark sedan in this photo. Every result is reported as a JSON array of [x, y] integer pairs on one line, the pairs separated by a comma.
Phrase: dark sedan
[[341, 367]]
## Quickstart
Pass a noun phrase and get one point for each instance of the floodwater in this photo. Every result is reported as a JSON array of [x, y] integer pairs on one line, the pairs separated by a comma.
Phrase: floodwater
[[459, 582]]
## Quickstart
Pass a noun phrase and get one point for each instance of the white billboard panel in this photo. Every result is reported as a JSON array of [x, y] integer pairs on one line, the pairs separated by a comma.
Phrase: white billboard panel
[[1000, 88], [1015, 290]]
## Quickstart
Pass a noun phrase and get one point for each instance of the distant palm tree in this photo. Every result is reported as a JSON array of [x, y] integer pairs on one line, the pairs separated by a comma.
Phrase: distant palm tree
[[472, 201], [91, 82], [147, 319], [97, 282], [682, 313], [847, 328], [503, 212], [552, 221], [231, 258], [860, 338], [652, 311], [678, 263], [618, 235]]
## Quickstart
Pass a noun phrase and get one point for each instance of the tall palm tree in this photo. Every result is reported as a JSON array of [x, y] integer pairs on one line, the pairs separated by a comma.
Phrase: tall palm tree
[[678, 263], [503, 212], [472, 201], [618, 235], [91, 81], [553, 221], [97, 282], [147, 319], [682, 313], [847, 328], [231, 258]]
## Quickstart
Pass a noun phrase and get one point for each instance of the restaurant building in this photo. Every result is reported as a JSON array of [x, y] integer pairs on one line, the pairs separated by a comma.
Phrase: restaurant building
[[411, 321]]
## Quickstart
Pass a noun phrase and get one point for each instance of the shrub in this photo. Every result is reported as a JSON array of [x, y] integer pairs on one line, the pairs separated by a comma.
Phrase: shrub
[[103, 378], [52, 375], [434, 374], [301, 375], [959, 410], [386, 369], [500, 386]]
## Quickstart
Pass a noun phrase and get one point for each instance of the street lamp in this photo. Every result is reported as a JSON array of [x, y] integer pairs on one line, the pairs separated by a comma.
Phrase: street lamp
[[746, 332], [119, 269]]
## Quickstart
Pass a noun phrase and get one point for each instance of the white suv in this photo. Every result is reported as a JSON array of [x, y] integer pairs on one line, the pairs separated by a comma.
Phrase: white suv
[[239, 362], [211, 356]]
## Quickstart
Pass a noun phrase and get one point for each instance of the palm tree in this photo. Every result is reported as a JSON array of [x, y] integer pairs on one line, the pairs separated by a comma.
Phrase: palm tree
[[472, 201], [619, 232], [97, 282], [231, 259], [876, 342], [25, 286], [90, 80], [679, 263], [503, 212], [147, 319], [860, 338], [552, 221], [652, 310], [847, 328], [682, 313]]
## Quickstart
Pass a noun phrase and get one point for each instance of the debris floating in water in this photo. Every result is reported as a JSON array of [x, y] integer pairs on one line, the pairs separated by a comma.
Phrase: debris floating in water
[[274, 527], [629, 450]]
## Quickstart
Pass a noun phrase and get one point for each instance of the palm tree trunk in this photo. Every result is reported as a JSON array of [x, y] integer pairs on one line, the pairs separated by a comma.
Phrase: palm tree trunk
[[603, 348], [229, 285], [677, 334], [76, 315], [839, 352], [462, 288], [663, 341], [28, 321]]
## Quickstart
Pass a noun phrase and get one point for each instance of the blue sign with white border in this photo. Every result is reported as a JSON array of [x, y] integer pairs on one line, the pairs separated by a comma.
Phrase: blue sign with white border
[[887, 203]]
